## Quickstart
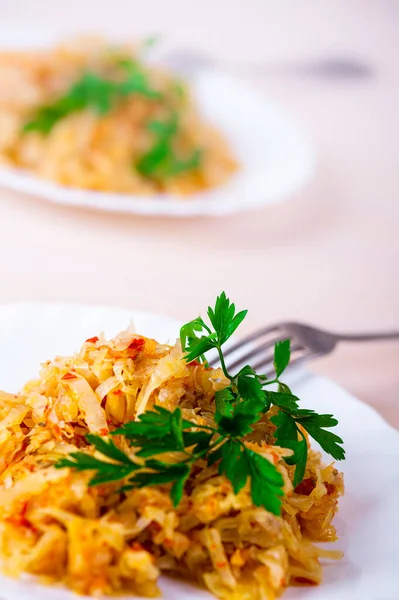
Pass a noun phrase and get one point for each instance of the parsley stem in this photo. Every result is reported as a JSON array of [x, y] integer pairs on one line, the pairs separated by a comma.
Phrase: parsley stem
[[271, 381], [205, 326], [223, 364]]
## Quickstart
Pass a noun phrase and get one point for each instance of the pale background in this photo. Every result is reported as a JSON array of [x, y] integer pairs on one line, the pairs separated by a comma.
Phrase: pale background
[[329, 255]]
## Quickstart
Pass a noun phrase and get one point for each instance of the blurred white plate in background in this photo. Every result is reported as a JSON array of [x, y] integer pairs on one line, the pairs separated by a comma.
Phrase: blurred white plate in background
[[368, 520], [275, 154]]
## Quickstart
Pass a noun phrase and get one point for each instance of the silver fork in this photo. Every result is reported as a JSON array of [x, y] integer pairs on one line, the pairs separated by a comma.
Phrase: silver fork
[[307, 343]]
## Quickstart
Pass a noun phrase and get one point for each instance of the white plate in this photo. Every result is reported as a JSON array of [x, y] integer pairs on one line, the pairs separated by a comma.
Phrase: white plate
[[275, 154], [368, 522]]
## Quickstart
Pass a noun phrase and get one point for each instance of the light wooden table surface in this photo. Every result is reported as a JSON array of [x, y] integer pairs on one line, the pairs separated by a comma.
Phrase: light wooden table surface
[[329, 255]]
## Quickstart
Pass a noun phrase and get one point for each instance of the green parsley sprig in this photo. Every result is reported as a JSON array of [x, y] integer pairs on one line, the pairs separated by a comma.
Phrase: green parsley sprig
[[161, 161], [161, 431], [165, 447], [248, 390], [95, 92]]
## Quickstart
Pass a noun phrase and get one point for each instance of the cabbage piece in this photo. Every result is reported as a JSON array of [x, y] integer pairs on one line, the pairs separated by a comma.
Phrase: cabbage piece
[[171, 365], [15, 416], [107, 386], [89, 405]]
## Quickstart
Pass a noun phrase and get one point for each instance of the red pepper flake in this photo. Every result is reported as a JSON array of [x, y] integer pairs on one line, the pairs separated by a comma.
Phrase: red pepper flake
[[92, 340], [57, 430], [19, 519], [305, 581], [305, 487], [168, 542], [103, 431], [330, 487], [136, 547], [24, 508], [195, 363], [69, 376], [117, 392], [137, 344], [221, 564], [275, 457]]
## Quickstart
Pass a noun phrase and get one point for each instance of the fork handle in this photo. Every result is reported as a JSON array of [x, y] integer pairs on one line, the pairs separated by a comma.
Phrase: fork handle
[[368, 337]]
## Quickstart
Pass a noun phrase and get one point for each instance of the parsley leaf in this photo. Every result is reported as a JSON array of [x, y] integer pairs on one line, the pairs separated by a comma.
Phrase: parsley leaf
[[137, 83], [224, 402], [201, 439], [283, 400], [176, 493], [236, 425], [198, 347], [108, 448], [157, 431], [250, 388], [299, 458], [234, 464], [161, 473], [315, 425], [266, 482], [106, 472], [91, 91], [287, 432], [282, 354], [224, 318], [283, 388], [161, 160], [189, 330], [239, 463], [286, 427]]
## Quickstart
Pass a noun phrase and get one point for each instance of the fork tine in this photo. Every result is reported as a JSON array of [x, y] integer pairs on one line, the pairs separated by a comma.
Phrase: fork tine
[[266, 362], [251, 352], [243, 342], [304, 358], [252, 337]]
